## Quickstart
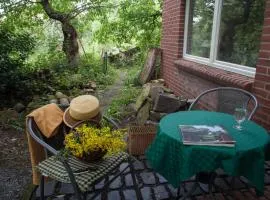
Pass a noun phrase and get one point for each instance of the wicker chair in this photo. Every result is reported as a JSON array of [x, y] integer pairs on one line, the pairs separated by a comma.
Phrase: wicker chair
[[80, 174], [221, 99]]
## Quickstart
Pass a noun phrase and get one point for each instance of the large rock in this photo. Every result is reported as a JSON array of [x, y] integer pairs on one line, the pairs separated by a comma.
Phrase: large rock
[[53, 101], [150, 65], [93, 85], [166, 103], [156, 116], [155, 91], [143, 113], [64, 102], [59, 95], [88, 91], [143, 96], [19, 107]]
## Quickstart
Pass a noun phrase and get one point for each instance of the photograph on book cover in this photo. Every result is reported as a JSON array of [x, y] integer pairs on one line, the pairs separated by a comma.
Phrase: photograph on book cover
[[205, 135]]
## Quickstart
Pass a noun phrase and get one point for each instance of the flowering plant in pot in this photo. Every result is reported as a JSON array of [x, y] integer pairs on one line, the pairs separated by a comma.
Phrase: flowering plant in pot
[[91, 143]]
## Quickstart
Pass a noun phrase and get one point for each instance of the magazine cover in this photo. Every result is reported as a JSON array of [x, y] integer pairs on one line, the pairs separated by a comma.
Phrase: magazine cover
[[205, 135]]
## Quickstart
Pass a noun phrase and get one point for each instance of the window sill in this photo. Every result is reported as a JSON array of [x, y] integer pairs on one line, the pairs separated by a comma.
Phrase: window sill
[[219, 76]]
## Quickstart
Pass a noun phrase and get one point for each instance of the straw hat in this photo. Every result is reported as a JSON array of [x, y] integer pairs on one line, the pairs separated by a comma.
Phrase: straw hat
[[81, 108]]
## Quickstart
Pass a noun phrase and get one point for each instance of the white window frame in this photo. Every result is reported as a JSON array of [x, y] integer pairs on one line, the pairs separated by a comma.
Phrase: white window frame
[[212, 60]]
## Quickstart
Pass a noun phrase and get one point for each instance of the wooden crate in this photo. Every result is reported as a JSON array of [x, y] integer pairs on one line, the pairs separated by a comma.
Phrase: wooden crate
[[139, 138]]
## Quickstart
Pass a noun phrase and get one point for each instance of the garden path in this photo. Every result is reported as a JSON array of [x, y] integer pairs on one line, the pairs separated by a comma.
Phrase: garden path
[[112, 91]]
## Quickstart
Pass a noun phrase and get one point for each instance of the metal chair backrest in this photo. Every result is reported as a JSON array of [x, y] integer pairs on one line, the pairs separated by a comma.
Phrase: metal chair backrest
[[52, 145], [226, 99], [36, 134]]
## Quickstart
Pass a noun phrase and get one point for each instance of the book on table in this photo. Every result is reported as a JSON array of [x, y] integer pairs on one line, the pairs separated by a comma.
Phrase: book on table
[[205, 135]]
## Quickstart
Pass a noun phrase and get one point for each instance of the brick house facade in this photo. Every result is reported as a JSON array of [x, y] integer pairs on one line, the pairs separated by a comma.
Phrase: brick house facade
[[189, 78]]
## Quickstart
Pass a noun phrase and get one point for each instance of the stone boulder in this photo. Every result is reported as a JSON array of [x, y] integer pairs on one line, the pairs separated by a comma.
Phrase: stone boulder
[[156, 116], [166, 103], [143, 96], [60, 95], [143, 113], [19, 107]]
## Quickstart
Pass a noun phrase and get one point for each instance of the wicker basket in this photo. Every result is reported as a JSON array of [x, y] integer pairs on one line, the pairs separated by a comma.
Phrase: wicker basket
[[139, 138]]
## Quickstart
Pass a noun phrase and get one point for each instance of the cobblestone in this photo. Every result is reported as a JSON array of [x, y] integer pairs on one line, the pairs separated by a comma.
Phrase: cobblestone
[[161, 179], [115, 195], [235, 182], [161, 192], [130, 195], [123, 166], [100, 185], [66, 188], [153, 186], [48, 190], [222, 184], [138, 165], [148, 177], [146, 193], [116, 184], [129, 180]]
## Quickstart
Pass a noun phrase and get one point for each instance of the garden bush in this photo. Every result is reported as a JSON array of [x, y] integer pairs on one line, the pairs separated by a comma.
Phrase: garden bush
[[14, 50]]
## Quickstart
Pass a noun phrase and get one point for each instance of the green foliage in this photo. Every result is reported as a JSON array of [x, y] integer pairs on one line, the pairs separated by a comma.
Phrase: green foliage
[[14, 50], [239, 31], [247, 35], [118, 107], [33, 62], [200, 34], [62, 77], [94, 71], [136, 22], [134, 71]]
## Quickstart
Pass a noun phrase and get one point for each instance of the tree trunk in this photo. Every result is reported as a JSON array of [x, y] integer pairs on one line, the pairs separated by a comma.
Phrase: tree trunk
[[70, 42]]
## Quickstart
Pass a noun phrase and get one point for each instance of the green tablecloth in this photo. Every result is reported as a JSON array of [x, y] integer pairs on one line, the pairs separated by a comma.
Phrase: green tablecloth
[[178, 162]]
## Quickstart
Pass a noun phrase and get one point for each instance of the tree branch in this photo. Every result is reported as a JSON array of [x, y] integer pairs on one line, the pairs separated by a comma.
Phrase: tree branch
[[59, 16], [87, 6]]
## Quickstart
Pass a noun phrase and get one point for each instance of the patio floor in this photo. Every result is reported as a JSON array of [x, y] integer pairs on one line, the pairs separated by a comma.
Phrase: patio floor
[[153, 187]]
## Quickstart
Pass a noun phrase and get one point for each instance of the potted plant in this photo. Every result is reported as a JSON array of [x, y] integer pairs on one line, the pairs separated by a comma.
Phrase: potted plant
[[91, 143]]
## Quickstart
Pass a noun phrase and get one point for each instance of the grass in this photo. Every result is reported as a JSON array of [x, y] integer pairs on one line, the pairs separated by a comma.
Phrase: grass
[[119, 108]]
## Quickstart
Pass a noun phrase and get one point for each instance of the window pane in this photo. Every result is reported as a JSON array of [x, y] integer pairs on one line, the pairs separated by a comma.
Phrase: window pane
[[240, 31], [200, 27]]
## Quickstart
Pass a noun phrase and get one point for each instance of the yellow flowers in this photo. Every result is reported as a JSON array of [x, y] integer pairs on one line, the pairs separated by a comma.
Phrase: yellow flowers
[[87, 139]]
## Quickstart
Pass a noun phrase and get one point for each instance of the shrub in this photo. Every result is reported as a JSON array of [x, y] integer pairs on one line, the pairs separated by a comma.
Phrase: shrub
[[14, 50]]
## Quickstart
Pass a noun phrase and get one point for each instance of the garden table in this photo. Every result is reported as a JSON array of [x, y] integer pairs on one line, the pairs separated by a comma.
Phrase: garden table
[[178, 162]]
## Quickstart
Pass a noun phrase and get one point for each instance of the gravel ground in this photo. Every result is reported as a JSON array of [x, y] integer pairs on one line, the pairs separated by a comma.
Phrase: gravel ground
[[15, 167]]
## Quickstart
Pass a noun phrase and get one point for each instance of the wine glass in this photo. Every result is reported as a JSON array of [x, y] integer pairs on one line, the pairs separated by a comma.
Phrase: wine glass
[[240, 116]]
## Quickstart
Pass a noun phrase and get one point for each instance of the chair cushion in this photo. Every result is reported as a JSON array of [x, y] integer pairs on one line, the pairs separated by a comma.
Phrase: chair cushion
[[89, 172]]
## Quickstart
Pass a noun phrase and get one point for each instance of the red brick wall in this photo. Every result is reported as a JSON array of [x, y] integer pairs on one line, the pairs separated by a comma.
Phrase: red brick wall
[[261, 86], [172, 40], [188, 84]]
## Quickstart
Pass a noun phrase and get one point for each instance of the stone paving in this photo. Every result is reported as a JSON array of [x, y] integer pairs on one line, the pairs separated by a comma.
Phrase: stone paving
[[152, 186]]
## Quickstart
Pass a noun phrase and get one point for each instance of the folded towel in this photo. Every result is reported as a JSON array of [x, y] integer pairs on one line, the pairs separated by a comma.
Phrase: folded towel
[[48, 119]]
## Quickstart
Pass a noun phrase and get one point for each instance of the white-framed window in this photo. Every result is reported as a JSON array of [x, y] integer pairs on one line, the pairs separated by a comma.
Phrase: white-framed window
[[224, 33]]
